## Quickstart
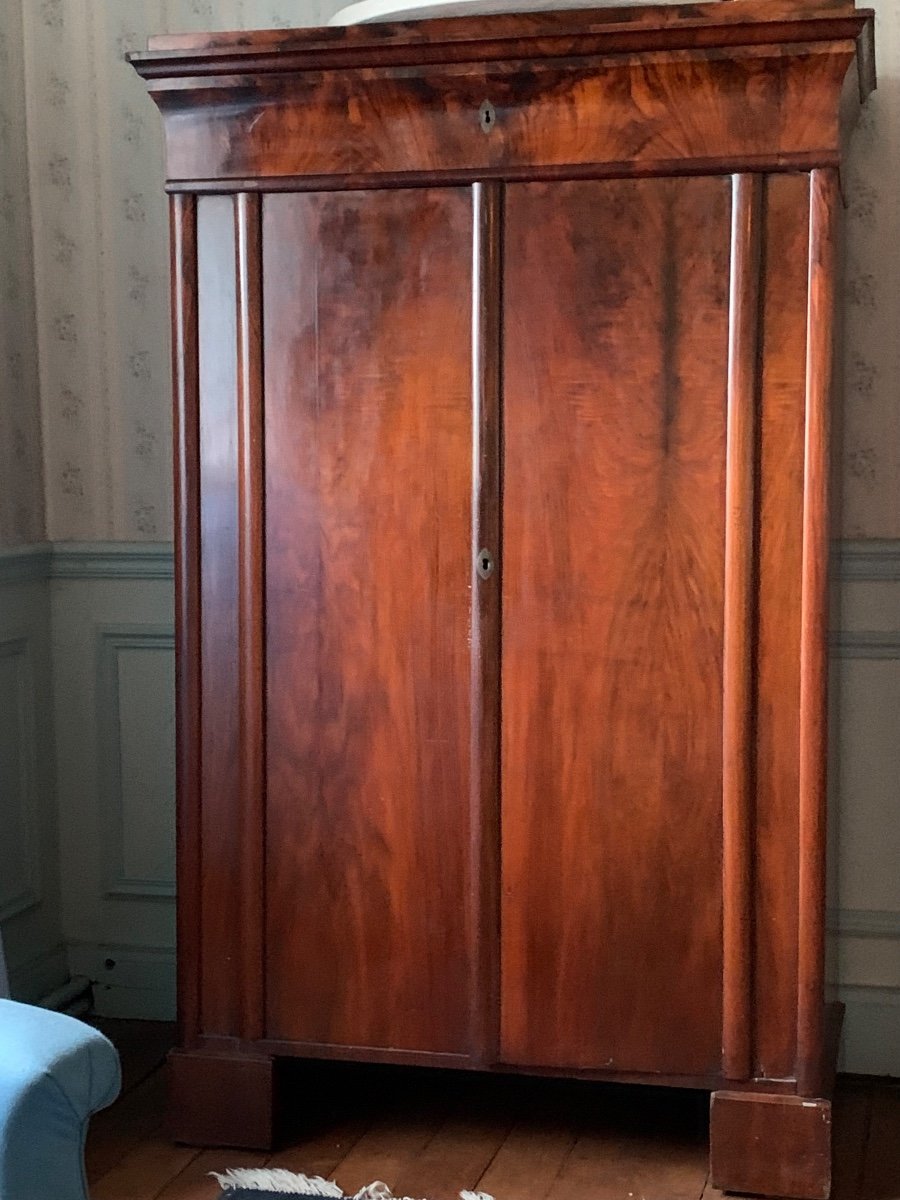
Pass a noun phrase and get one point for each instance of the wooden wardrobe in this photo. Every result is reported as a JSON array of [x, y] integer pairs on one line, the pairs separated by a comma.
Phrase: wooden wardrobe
[[503, 382]]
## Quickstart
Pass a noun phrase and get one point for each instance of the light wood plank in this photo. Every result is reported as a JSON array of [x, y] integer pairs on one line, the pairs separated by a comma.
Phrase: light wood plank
[[121, 1128], [636, 1144], [322, 1151], [455, 1159], [528, 1162], [145, 1171], [195, 1181], [387, 1150]]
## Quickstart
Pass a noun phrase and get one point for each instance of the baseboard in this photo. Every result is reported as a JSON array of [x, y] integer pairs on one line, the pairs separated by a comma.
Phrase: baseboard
[[134, 982], [74, 998]]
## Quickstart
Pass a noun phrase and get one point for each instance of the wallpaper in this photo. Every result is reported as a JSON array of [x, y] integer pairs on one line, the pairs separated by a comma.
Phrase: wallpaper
[[21, 485], [871, 293], [101, 269], [101, 255]]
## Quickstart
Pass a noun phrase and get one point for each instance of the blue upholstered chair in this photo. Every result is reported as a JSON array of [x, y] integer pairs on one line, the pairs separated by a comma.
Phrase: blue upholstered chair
[[55, 1072]]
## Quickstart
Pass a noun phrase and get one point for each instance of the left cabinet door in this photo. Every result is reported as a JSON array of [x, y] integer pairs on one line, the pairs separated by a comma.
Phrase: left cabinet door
[[368, 449]]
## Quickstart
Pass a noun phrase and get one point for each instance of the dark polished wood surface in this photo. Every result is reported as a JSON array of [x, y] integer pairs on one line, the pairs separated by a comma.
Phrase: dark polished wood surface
[[614, 402], [368, 637], [502, 377], [764, 106], [221, 803], [551, 33], [186, 454], [778, 534], [602, 91]]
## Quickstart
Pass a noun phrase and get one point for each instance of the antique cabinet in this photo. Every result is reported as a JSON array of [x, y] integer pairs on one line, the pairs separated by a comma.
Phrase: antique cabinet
[[503, 377]]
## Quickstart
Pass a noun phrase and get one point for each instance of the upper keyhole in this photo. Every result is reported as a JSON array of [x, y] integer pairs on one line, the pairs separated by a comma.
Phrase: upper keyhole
[[488, 116]]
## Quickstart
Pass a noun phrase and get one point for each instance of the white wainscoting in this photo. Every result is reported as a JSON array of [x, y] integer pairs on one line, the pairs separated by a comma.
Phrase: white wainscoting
[[865, 805], [29, 885], [113, 647], [110, 609]]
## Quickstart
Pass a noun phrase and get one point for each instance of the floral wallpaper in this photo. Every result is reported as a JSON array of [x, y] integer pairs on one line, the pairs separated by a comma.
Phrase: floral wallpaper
[[101, 254], [21, 483], [101, 271], [871, 409]]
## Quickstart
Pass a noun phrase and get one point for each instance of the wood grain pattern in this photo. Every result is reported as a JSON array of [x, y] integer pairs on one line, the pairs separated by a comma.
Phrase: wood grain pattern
[[823, 210], [221, 913], [774, 103], [369, 444], [222, 1099], [776, 747], [738, 631], [188, 743], [567, 816], [487, 388], [613, 537], [770, 1145], [251, 610], [487, 38]]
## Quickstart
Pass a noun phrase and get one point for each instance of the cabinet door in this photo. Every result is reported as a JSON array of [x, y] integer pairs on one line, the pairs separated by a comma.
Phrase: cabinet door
[[368, 459], [615, 365]]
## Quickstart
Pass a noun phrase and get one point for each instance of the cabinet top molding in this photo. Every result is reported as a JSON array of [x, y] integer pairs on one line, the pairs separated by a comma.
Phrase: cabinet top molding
[[721, 24], [737, 85]]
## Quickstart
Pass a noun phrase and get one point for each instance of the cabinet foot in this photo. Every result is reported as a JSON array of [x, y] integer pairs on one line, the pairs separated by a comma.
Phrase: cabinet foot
[[770, 1145], [222, 1099]]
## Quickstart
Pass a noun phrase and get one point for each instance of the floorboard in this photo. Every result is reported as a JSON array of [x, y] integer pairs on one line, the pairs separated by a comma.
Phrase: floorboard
[[881, 1168], [430, 1133]]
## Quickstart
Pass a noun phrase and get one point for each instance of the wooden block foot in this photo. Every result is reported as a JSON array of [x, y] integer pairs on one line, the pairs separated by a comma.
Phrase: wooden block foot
[[222, 1100], [770, 1145]]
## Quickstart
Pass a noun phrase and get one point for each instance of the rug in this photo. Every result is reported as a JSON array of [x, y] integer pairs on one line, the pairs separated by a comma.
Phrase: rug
[[258, 1184]]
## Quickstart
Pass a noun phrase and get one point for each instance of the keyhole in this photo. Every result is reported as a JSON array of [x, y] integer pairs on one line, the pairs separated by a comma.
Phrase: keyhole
[[488, 116], [485, 563]]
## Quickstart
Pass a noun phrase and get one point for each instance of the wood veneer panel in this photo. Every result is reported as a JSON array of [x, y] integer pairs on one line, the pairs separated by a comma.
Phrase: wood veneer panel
[[823, 215], [369, 448], [780, 529], [486, 539], [251, 610], [738, 632], [616, 339], [221, 877], [186, 447], [641, 111], [491, 35]]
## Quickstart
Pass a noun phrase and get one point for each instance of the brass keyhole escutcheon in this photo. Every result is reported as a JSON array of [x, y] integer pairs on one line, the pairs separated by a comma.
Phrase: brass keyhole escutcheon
[[487, 116], [485, 564]]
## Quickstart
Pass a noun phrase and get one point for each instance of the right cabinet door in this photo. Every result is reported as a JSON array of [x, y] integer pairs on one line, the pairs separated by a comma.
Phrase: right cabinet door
[[616, 312]]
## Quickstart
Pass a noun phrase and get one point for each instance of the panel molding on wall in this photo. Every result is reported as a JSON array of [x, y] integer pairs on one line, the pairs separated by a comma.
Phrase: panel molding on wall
[[119, 773], [868, 560], [111, 560], [112, 613], [29, 864], [20, 877], [865, 921]]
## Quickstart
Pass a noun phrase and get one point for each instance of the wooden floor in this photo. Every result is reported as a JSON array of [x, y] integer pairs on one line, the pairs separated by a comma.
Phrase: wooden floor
[[433, 1134]]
